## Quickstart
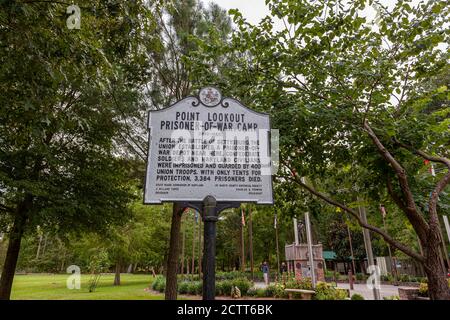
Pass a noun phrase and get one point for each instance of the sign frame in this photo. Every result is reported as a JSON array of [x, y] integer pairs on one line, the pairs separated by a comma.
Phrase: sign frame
[[197, 102]]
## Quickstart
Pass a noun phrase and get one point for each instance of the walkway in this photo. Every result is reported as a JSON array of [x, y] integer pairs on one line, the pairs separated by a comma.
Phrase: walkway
[[386, 290]]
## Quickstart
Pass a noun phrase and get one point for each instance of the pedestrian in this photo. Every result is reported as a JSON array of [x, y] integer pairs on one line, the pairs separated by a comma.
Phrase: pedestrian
[[265, 271], [283, 271]]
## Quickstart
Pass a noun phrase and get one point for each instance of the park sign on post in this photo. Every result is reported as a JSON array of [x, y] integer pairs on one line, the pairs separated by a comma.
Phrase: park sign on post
[[209, 146]]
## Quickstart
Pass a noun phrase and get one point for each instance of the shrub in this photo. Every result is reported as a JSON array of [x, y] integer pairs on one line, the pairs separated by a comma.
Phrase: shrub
[[360, 276], [226, 287], [389, 277], [183, 287], [159, 284], [261, 293], [325, 291], [279, 292], [357, 296], [219, 288], [423, 289], [391, 298], [304, 283], [242, 283], [404, 278], [252, 292], [194, 287], [229, 275], [270, 290]]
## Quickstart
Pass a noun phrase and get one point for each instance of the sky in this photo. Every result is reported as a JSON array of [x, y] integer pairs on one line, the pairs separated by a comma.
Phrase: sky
[[255, 10]]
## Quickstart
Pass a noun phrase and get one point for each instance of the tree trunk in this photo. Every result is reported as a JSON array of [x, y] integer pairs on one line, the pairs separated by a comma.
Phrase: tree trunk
[[117, 274], [438, 288], [174, 252], [12, 254]]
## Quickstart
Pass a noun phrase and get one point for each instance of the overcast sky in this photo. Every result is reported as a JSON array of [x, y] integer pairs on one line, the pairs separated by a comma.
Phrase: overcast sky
[[255, 10]]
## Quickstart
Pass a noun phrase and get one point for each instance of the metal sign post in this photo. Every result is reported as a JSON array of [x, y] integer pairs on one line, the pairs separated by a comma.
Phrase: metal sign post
[[310, 249], [369, 251], [210, 210]]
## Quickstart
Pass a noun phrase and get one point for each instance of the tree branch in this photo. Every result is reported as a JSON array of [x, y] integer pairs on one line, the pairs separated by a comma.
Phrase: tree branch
[[354, 214], [442, 183]]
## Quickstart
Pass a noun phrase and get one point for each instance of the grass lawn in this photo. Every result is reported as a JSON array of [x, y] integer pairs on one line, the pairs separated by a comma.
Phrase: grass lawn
[[53, 287]]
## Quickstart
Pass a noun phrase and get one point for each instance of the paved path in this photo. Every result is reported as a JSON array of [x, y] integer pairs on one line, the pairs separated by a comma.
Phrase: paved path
[[385, 291]]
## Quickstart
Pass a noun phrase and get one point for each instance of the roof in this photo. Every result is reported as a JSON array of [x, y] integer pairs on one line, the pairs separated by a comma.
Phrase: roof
[[329, 255]]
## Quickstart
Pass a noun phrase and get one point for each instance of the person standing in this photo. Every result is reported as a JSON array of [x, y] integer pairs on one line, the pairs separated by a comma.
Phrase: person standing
[[283, 271], [265, 271]]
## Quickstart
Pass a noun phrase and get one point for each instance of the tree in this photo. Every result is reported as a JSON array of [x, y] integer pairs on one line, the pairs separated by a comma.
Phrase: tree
[[345, 94], [177, 23], [58, 163]]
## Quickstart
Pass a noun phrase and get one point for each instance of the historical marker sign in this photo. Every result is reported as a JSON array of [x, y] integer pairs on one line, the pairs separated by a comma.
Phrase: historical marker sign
[[208, 145]]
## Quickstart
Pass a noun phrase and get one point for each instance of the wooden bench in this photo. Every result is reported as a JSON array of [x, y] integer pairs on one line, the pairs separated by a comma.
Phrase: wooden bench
[[305, 294]]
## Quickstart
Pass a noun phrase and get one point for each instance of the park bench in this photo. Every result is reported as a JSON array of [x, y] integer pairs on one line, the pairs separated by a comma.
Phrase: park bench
[[305, 294]]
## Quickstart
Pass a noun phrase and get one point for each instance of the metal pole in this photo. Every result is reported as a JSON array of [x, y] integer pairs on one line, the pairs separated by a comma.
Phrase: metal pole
[[250, 239], [369, 252], [242, 243], [391, 260], [183, 245], [200, 248], [210, 218], [278, 248], [310, 249], [193, 245], [447, 227], [444, 250]]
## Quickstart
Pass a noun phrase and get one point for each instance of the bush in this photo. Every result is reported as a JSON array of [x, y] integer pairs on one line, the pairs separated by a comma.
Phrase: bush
[[357, 296], [219, 288], [242, 283], [391, 298], [261, 293], [182, 287], [159, 284], [423, 289], [195, 287], [229, 275], [389, 277], [279, 292], [270, 290], [361, 276], [252, 292], [325, 291], [404, 278], [226, 287], [304, 283]]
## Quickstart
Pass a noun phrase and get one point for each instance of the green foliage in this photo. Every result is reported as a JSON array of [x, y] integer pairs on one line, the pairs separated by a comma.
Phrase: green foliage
[[361, 276], [243, 284], [423, 289], [304, 283], [159, 283], [252, 292], [357, 296], [229, 275], [391, 298], [261, 293], [325, 291]]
